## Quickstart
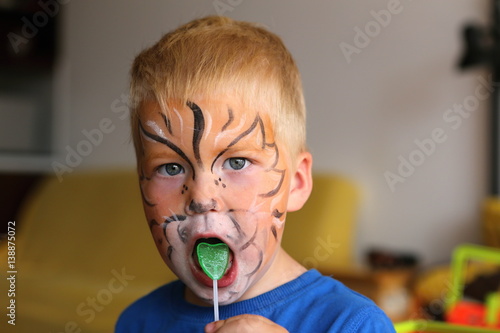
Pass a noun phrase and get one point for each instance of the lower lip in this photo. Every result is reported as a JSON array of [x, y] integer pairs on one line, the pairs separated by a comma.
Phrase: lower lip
[[225, 281]]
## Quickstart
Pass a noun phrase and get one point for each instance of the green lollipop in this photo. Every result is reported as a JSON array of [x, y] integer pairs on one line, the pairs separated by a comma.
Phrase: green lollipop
[[213, 259]]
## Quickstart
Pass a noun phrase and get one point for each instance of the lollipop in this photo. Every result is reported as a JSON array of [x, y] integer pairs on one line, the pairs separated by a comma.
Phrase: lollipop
[[213, 259]]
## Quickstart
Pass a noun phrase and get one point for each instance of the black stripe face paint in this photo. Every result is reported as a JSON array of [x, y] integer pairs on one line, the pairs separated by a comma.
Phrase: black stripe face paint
[[199, 128], [167, 123], [230, 118]]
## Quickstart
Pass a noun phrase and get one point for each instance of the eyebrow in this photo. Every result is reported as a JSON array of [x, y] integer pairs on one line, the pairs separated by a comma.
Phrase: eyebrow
[[245, 133], [237, 139], [157, 155], [167, 143]]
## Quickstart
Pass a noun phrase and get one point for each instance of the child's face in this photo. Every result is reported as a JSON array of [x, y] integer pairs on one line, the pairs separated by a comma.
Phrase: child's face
[[214, 171]]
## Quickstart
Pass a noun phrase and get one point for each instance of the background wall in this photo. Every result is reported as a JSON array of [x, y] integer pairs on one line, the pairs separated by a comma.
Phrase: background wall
[[383, 102]]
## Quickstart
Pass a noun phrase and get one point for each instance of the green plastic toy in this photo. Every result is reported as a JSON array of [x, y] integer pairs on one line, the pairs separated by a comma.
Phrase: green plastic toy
[[461, 256]]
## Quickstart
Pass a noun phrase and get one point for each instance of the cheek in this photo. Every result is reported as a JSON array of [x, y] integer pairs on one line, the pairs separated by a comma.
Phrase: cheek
[[257, 190], [169, 245], [163, 196], [160, 240], [273, 193]]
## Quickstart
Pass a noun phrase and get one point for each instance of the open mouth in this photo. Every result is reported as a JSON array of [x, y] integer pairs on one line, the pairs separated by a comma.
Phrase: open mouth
[[201, 274], [211, 241]]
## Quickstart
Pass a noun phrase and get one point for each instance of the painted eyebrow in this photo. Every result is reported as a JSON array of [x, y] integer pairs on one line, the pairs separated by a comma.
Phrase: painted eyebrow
[[237, 139], [167, 143], [245, 133]]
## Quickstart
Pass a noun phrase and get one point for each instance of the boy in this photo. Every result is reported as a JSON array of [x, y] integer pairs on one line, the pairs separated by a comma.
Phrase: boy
[[218, 121]]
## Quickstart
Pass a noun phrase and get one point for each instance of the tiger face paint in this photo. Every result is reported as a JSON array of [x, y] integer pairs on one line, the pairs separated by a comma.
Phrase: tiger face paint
[[214, 172]]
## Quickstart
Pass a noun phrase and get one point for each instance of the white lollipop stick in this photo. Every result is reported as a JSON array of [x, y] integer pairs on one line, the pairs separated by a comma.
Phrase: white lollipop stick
[[216, 301]]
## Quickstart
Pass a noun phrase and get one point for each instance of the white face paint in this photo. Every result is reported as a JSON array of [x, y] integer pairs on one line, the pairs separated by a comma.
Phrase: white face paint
[[155, 128], [213, 171]]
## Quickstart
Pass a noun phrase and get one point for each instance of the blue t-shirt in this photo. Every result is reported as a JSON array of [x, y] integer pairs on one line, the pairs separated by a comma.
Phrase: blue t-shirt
[[310, 303]]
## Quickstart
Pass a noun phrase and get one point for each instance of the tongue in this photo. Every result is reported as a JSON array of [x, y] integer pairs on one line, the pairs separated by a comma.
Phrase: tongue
[[213, 259]]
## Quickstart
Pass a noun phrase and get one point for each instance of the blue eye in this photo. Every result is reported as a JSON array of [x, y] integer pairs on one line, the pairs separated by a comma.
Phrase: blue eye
[[236, 163], [170, 169]]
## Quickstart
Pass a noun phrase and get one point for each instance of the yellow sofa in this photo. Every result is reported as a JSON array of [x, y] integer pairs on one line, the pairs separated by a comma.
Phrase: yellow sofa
[[83, 251]]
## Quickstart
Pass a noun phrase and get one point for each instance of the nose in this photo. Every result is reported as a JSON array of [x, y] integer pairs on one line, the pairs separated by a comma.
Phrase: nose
[[199, 207], [204, 196]]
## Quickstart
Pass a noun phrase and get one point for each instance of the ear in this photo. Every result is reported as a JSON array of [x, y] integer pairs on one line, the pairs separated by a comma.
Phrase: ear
[[301, 182]]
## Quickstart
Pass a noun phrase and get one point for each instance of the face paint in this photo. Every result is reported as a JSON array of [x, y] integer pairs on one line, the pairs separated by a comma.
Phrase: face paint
[[212, 172]]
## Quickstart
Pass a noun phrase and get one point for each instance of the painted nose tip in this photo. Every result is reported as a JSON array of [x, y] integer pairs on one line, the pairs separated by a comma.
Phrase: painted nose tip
[[200, 208]]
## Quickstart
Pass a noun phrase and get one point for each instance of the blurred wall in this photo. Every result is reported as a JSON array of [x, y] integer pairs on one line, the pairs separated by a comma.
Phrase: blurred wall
[[382, 90]]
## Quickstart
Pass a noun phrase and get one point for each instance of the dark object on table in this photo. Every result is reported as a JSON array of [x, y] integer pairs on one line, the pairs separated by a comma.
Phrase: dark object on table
[[385, 259], [482, 285]]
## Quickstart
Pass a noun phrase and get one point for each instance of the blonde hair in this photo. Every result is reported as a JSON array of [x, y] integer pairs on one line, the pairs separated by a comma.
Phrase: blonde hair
[[215, 56]]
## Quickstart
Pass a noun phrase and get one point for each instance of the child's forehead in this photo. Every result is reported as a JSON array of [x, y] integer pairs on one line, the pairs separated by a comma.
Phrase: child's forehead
[[228, 112]]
